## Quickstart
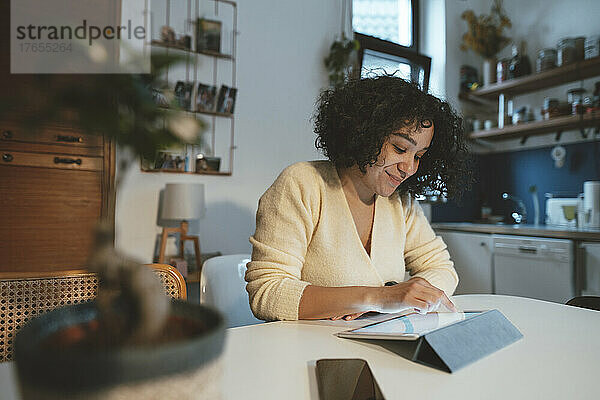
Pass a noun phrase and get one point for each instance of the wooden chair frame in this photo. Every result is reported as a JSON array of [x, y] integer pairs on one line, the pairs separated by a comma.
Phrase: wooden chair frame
[[31, 296], [165, 268]]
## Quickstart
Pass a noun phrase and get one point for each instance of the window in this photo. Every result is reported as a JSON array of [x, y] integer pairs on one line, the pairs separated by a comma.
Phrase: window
[[387, 31], [392, 20]]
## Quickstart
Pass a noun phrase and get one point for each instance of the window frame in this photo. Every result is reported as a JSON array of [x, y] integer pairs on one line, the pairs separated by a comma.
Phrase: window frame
[[415, 12], [386, 47]]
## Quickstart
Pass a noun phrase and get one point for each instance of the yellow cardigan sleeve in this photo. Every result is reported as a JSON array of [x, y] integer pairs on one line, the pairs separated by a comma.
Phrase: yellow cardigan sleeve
[[425, 254], [284, 227]]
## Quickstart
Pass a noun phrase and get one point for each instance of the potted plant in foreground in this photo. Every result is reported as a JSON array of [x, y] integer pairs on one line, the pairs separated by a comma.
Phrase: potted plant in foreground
[[132, 341]]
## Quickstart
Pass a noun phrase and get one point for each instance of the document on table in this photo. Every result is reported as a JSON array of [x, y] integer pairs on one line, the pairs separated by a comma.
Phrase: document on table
[[365, 319]]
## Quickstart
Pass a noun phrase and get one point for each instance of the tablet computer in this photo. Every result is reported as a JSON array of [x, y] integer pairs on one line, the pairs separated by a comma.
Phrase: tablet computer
[[407, 327]]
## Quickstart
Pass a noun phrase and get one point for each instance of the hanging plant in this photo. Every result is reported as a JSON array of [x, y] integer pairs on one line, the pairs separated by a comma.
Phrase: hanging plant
[[342, 60]]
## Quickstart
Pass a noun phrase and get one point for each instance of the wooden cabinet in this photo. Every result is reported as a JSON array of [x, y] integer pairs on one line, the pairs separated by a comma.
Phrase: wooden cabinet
[[472, 256], [54, 180], [54, 185]]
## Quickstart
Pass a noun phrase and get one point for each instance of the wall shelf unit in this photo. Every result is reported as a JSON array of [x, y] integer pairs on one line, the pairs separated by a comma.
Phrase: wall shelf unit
[[173, 171], [200, 66], [216, 54], [555, 77], [558, 124], [504, 91]]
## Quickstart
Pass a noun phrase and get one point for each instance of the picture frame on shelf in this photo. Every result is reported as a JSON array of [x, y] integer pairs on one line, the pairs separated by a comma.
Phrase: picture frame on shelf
[[170, 160], [206, 163], [208, 35], [161, 96], [183, 94], [167, 35], [206, 98], [226, 100], [166, 160]]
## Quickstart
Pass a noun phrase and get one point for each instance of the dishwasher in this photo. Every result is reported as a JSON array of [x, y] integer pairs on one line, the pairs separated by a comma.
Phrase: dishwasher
[[534, 267]]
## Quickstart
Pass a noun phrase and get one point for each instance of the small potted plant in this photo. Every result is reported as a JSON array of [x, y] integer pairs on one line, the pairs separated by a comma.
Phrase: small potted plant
[[131, 342], [341, 60], [485, 36]]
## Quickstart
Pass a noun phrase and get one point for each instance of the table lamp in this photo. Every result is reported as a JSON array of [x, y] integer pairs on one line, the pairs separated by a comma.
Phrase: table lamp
[[182, 202]]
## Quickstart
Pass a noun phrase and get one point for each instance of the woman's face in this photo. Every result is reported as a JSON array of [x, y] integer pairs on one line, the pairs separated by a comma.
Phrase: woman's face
[[398, 160]]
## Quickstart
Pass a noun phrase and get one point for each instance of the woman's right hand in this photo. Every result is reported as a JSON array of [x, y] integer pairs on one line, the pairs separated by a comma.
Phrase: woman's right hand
[[415, 293]]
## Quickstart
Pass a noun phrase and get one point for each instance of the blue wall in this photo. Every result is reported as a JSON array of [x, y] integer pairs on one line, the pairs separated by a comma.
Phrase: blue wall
[[515, 172]]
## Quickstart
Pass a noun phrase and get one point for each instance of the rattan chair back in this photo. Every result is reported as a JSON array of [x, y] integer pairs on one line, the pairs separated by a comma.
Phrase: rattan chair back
[[26, 295]]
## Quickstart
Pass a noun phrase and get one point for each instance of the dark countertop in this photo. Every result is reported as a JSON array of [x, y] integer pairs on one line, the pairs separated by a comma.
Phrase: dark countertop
[[558, 232]]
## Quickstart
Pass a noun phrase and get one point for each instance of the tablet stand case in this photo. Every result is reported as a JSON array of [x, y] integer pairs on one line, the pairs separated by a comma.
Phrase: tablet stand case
[[455, 346]]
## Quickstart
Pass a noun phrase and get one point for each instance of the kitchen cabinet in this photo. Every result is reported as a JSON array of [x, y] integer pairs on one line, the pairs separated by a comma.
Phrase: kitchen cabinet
[[589, 267], [472, 256]]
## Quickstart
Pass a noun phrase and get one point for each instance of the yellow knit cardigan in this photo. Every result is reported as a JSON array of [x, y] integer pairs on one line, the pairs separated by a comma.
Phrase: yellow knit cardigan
[[305, 235]]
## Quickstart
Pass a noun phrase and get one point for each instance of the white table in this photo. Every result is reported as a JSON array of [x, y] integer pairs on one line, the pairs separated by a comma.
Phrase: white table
[[558, 358]]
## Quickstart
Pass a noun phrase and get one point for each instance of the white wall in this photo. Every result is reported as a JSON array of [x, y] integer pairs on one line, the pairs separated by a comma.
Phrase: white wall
[[281, 47], [541, 23]]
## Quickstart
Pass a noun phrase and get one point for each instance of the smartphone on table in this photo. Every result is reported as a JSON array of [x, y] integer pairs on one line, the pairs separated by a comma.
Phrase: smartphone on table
[[346, 379]]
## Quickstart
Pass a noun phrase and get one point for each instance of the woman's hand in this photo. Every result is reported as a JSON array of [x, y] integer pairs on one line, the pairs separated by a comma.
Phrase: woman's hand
[[349, 317], [415, 293]]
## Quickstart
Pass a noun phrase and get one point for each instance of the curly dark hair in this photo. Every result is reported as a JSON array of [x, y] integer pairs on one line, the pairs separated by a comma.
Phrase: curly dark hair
[[353, 120]]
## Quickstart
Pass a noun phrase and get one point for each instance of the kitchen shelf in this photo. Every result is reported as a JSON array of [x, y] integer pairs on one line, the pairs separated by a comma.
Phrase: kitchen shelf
[[158, 43], [543, 80], [524, 130], [477, 100]]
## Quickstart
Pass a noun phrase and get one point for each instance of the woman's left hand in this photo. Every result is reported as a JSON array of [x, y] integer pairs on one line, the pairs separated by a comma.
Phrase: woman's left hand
[[348, 317]]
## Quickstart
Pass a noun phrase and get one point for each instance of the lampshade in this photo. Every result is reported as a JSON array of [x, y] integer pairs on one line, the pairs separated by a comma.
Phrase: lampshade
[[183, 201]]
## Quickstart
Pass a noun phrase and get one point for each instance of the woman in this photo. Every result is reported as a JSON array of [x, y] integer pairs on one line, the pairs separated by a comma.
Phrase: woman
[[333, 238]]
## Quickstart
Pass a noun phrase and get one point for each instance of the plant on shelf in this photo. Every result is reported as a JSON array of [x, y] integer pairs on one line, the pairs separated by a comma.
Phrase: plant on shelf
[[137, 331], [485, 36], [341, 61]]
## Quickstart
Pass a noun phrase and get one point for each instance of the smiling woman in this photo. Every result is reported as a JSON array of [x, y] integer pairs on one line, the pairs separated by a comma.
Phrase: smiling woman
[[334, 238]]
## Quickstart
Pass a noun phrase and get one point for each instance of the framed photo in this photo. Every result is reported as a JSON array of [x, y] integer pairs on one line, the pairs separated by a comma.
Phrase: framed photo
[[226, 101], [160, 96], [206, 98], [170, 160], [207, 164], [183, 94], [208, 35]]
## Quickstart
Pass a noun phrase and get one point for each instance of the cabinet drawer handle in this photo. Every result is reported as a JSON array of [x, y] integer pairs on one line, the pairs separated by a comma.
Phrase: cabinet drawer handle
[[529, 250], [7, 157], [58, 160], [69, 139], [7, 134]]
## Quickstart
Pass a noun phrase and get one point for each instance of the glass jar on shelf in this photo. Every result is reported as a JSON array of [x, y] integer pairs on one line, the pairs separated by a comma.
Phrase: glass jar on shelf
[[566, 53], [579, 48], [592, 47], [519, 64], [575, 99], [502, 70], [546, 60]]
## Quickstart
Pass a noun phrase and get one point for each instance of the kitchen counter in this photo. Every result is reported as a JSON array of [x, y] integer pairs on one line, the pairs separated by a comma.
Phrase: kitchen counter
[[558, 232]]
